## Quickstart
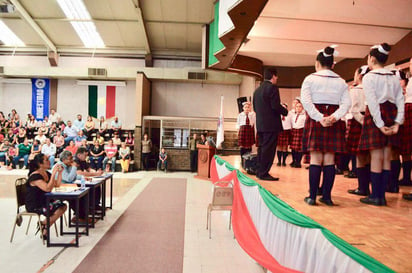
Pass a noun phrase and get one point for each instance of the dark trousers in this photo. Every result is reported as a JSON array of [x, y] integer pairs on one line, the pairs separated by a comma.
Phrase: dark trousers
[[266, 152], [193, 160], [145, 160]]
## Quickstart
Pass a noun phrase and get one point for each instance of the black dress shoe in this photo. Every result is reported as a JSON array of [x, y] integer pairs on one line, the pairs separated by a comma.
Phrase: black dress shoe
[[403, 182], [319, 191], [278, 164], [268, 177], [373, 201], [351, 175], [394, 189], [292, 164], [357, 192], [298, 166], [309, 201], [407, 196], [284, 164], [338, 171], [326, 202]]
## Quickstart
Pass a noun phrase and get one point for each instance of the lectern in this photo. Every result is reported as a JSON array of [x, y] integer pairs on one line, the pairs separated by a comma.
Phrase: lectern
[[205, 154]]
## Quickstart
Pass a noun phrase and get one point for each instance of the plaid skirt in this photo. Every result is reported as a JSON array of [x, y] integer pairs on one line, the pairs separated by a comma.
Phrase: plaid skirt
[[246, 137], [296, 143], [324, 139], [371, 137], [405, 131], [284, 138], [353, 133]]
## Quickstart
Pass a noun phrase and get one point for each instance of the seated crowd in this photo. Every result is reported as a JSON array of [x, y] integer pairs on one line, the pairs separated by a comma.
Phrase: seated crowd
[[103, 144]]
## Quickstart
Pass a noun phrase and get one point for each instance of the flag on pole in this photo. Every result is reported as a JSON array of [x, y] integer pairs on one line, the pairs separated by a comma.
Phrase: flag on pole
[[220, 129], [102, 100]]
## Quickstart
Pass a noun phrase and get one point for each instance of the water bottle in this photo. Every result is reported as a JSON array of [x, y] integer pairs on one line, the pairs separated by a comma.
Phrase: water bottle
[[83, 182]]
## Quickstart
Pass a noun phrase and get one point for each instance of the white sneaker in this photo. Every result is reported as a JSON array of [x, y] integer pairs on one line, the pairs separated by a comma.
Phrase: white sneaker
[[24, 167]]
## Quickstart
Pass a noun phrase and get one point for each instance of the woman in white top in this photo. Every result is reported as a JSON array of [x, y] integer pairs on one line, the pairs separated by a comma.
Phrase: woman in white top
[[246, 126], [298, 119], [384, 113], [354, 132], [406, 139], [325, 97], [284, 138]]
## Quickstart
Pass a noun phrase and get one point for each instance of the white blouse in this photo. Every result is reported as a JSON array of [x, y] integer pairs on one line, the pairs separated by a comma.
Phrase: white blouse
[[408, 95], [325, 87], [357, 96], [287, 121], [380, 85], [241, 119], [298, 120]]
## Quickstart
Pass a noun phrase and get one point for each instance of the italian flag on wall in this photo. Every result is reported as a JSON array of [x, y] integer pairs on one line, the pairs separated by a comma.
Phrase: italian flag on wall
[[102, 99]]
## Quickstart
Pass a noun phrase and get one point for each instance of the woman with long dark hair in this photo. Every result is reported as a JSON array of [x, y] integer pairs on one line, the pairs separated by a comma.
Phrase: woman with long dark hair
[[40, 182]]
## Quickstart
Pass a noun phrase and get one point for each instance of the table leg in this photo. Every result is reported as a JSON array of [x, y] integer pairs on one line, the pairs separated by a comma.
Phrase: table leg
[[48, 221]]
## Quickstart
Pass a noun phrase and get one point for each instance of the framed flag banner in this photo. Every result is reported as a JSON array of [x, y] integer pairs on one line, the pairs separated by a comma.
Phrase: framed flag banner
[[40, 98]]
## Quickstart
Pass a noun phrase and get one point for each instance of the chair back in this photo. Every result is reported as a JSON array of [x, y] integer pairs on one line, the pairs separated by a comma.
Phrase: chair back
[[21, 192], [223, 195]]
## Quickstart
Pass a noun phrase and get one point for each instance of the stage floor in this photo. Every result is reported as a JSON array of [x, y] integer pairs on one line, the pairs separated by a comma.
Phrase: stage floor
[[385, 233]]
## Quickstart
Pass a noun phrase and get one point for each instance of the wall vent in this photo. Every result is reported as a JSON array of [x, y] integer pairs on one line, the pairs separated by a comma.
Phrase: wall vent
[[100, 72], [197, 76]]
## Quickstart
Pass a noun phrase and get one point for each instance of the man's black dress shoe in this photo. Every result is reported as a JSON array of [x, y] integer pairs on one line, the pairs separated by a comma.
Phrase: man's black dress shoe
[[326, 202], [393, 189], [373, 201], [407, 196], [268, 177], [278, 164], [338, 171], [309, 201], [357, 192]]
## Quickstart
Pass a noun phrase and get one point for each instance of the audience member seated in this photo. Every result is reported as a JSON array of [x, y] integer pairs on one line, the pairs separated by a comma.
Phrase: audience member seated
[[99, 138], [103, 127], [14, 128], [58, 140], [61, 125], [111, 151], [79, 123], [35, 149], [49, 149], [40, 182], [96, 156], [70, 132], [71, 147], [4, 123], [23, 151], [17, 120], [79, 138], [162, 160], [10, 137], [1, 135], [4, 148], [11, 153], [19, 138], [146, 150], [41, 137], [116, 139], [43, 128], [47, 122], [124, 156], [31, 126], [12, 114], [54, 117], [129, 139], [53, 130], [115, 126], [89, 127]]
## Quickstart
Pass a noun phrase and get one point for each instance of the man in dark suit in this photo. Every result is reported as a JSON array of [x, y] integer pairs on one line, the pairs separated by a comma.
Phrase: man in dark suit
[[266, 103]]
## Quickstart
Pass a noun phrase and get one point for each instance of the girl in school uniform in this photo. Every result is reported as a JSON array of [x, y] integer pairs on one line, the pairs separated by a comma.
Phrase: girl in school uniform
[[325, 98], [406, 139], [384, 112], [298, 122], [246, 126], [354, 132], [284, 138]]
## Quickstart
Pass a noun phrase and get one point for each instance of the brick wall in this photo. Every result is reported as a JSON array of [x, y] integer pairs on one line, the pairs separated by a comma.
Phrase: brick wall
[[178, 159]]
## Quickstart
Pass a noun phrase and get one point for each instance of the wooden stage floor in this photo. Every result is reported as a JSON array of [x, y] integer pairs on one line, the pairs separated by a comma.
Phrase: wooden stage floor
[[385, 233]]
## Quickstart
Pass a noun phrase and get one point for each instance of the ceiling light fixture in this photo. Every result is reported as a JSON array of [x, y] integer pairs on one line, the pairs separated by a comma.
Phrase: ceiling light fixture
[[76, 10], [8, 37]]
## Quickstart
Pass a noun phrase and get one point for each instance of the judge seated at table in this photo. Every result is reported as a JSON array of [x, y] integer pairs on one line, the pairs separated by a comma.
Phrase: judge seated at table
[[40, 182]]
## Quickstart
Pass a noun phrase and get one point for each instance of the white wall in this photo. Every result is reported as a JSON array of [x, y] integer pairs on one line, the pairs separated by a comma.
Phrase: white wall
[[193, 99], [15, 96]]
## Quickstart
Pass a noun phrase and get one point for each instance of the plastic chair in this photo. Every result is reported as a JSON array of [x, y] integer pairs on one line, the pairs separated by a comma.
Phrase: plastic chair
[[21, 210], [222, 200]]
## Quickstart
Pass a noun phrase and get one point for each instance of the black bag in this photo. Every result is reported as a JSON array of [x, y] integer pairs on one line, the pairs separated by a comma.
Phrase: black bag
[[249, 163]]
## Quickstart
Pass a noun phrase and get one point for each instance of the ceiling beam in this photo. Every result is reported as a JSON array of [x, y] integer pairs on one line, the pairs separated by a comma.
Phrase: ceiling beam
[[60, 19], [26, 16], [140, 18], [310, 41]]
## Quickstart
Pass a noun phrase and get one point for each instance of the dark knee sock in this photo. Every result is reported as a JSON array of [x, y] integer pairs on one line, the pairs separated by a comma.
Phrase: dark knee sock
[[328, 180], [386, 177], [376, 181], [363, 179], [293, 157], [298, 158], [285, 155], [314, 180], [279, 153], [353, 160], [406, 167], [395, 171]]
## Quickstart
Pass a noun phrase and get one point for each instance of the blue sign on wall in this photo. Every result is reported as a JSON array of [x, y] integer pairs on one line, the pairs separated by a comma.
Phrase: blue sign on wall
[[40, 98]]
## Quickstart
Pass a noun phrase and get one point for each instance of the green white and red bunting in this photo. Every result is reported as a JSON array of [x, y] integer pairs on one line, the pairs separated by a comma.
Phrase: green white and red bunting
[[102, 101], [281, 239]]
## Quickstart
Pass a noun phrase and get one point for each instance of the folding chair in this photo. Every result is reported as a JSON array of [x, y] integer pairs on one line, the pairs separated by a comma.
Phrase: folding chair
[[222, 200], [21, 210]]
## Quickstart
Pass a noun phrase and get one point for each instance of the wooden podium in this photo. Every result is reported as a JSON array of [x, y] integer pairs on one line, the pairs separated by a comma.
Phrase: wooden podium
[[204, 158]]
